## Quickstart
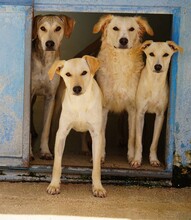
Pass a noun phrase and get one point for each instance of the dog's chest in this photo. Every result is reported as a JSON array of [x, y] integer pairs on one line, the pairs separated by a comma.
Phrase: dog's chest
[[118, 78], [41, 85]]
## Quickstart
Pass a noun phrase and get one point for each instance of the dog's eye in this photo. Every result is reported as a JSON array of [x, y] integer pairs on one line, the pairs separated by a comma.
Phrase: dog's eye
[[166, 55], [131, 29], [68, 74], [58, 29], [152, 54], [84, 73], [115, 28], [43, 28]]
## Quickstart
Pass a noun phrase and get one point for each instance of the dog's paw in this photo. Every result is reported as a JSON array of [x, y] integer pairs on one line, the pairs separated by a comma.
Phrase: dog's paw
[[99, 192], [46, 156], [155, 163], [129, 159], [135, 163], [53, 189]]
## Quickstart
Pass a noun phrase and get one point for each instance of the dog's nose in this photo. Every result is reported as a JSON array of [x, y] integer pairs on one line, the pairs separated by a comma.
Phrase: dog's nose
[[77, 89], [158, 67], [123, 41], [50, 44]]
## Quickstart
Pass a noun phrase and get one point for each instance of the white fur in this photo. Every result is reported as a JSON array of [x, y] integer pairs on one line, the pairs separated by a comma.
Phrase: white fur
[[82, 112], [152, 94]]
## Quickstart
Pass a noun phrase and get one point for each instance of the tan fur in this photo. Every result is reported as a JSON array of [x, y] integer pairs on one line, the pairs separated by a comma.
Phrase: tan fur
[[120, 66], [82, 111], [152, 94], [43, 56]]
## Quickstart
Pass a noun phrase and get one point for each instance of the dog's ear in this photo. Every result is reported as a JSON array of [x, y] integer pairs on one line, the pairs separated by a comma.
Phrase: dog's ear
[[174, 46], [146, 44], [55, 68], [93, 63], [102, 23], [144, 26], [68, 25], [35, 26]]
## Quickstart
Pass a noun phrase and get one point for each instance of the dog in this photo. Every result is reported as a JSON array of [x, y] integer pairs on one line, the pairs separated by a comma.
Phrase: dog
[[48, 32], [121, 63], [152, 94], [82, 111]]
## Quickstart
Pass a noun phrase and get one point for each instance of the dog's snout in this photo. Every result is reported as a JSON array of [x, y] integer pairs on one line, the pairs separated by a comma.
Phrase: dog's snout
[[50, 44], [123, 41], [158, 67], [77, 89]]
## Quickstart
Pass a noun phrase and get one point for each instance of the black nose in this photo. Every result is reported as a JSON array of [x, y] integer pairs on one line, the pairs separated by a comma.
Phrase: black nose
[[50, 44], [123, 41], [158, 67], [77, 89]]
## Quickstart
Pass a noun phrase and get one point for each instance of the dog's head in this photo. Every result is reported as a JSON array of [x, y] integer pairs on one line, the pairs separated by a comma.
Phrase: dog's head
[[159, 54], [77, 73], [122, 32], [50, 30]]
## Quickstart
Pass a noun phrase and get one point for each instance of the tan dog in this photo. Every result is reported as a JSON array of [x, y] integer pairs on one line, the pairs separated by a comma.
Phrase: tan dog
[[152, 94], [120, 66], [48, 32], [82, 111]]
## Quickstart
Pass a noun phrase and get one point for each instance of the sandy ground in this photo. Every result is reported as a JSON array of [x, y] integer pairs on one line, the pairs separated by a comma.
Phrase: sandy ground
[[76, 200]]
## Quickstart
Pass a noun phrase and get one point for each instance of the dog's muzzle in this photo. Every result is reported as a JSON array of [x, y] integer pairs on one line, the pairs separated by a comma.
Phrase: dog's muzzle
[[77, 90], [123, 43], [50, 45], [158, 68]]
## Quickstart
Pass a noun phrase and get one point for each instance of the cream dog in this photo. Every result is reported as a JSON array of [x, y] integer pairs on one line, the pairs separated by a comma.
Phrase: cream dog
[[48, 32], [82, 111], [120, 67], [152, 94]]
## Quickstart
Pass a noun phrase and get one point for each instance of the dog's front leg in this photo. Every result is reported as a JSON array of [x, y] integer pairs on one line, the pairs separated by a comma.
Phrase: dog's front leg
[[157, 130], [97, 187], [54, 187], [48, 111], [131, 139], [104, 123], [136, 162]]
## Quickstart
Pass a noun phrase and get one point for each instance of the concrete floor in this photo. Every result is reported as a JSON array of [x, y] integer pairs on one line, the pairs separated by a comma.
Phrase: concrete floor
[[30, 201]]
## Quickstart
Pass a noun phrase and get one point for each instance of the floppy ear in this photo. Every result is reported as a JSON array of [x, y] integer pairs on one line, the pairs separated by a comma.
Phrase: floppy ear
[[93, 63], [144, 26], [174, 46], [102, 23], [35, 26], [68, 25], [55, 68], [146, 44]]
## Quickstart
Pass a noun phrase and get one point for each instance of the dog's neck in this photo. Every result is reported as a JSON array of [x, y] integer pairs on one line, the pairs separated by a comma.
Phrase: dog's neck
[[45, 57]]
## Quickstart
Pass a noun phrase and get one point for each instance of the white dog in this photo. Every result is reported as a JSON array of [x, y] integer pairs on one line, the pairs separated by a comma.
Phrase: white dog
[[48, 32], [152, 94], [82, 111], [120, 66]]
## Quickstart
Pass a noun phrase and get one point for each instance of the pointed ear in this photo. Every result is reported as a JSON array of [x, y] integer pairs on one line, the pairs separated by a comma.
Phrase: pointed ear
[[144, 26], [55, 68], [35, 26], [68, 25], [93, 63], [174, 46], [102, 23], [146, 44]]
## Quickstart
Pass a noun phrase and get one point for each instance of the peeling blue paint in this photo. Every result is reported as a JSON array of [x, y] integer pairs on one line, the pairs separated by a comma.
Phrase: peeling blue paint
[[6, 132], [177, 127]]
